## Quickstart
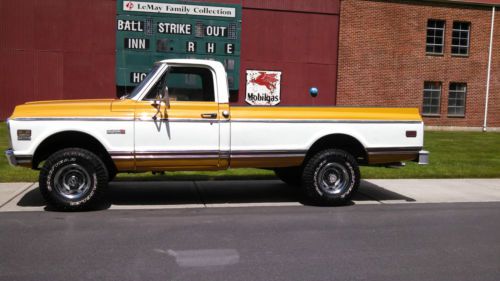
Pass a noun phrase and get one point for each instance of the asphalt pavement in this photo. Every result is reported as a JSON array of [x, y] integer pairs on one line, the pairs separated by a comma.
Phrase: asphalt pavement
[[256, 230], [452, 241]]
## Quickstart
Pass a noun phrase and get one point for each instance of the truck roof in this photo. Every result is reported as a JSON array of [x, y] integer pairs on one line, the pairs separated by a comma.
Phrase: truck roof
[[212, 63]]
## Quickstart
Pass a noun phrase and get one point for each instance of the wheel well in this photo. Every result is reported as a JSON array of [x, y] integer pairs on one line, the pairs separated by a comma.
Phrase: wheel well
[[67, 139], [340, 141]]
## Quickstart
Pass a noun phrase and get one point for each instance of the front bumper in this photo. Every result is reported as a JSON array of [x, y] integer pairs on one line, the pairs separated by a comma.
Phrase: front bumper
[[18, 160], [9, 153]]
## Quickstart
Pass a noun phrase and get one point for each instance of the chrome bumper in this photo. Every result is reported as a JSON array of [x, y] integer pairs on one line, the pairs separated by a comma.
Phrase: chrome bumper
[[9, 153], [423, 157], [18, 160]]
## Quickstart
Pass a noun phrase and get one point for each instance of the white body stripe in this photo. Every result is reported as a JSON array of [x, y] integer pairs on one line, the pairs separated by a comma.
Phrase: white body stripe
[[202, 136], [167, 136], [301, 136], [41, 130]]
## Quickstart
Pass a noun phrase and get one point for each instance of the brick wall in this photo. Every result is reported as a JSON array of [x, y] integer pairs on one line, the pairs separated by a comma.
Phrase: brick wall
[[383, 61]]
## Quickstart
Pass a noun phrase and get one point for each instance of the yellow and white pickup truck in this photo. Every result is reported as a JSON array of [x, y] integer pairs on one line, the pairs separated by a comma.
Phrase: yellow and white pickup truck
[[179, 118]]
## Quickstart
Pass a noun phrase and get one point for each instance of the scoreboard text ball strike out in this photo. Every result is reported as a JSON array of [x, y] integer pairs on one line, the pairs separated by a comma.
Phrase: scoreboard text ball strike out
[[151, 31]]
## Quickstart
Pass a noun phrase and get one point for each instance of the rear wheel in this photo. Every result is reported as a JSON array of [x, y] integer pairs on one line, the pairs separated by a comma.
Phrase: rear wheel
[[73, 179], [331, 177]]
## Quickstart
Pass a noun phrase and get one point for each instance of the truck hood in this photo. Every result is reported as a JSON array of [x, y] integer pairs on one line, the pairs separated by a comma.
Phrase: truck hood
[[65, 109]]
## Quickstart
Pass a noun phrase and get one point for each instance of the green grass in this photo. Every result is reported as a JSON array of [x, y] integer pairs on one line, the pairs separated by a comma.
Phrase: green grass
[[231, 174], [453, 155], [7, 172]]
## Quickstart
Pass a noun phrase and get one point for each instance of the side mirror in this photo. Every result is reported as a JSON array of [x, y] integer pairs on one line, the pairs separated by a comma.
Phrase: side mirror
[[161, 97], [165, 97]]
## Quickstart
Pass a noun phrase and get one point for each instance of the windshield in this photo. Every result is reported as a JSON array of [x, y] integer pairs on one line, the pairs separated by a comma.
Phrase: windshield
[[144, 82]]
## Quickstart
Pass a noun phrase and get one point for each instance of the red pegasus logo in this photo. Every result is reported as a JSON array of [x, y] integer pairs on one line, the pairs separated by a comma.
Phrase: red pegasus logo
[[266, 80], [129, 5]]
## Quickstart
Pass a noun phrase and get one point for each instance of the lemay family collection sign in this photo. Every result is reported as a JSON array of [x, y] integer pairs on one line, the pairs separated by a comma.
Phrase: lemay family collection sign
[[263, 87], [147, 32]]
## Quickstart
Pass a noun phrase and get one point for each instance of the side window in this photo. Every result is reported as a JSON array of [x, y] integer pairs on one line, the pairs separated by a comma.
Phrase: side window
[[185, 84], [190, 84], [156, 90]]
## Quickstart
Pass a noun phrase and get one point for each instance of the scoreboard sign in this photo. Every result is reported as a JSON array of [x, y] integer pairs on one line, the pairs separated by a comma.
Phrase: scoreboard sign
[[147, 32]]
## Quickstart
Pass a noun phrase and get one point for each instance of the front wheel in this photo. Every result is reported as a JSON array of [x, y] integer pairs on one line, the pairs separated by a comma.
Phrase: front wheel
[[73, 179], [331, 177]]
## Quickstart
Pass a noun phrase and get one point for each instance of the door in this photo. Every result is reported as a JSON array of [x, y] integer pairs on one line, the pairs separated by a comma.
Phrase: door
[[183, 132]]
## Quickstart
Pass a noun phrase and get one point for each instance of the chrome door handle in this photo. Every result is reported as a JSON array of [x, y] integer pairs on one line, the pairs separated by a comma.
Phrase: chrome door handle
[[209, 115]]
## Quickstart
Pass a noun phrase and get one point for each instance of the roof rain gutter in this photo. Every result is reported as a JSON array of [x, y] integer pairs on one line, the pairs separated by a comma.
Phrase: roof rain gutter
[[488, 77]]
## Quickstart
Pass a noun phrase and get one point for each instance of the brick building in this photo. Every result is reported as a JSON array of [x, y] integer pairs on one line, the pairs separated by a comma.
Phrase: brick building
[[428, 54], [433, 55]]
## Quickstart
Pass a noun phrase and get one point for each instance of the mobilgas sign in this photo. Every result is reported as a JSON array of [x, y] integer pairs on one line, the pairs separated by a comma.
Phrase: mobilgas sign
[[151, 31], [263, 87]]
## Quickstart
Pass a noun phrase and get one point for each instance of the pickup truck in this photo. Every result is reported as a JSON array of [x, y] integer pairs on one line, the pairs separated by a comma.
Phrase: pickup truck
[[179, 118]]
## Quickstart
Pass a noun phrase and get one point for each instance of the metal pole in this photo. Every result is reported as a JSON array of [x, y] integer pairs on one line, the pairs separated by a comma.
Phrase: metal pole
[[489, 70]]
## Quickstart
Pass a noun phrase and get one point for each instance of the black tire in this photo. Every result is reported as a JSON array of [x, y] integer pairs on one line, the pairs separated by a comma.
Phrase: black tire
[[290, 175], [111, 168], [73, 179], [112, 174], [331, 177]]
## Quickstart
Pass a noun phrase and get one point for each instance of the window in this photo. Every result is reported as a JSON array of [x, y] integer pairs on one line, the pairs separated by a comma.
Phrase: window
[[137, 90], [185, 84], [460, 38], [456, 99], [432, 98], [435, 36]]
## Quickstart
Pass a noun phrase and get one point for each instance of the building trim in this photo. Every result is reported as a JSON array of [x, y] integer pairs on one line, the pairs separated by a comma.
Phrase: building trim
[[465, 2]]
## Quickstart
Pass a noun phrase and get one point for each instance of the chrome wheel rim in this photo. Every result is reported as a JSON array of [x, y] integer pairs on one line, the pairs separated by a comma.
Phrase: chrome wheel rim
[[72, 181], [333, 178]]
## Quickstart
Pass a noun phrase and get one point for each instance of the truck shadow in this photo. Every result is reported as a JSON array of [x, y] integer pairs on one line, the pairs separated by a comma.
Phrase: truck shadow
[[212, 192]]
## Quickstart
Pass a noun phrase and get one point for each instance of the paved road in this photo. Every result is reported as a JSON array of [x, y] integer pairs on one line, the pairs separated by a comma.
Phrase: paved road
[[452, 241]]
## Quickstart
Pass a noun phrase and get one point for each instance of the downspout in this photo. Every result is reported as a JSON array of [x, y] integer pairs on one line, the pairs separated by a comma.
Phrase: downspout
[[489, 71]]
